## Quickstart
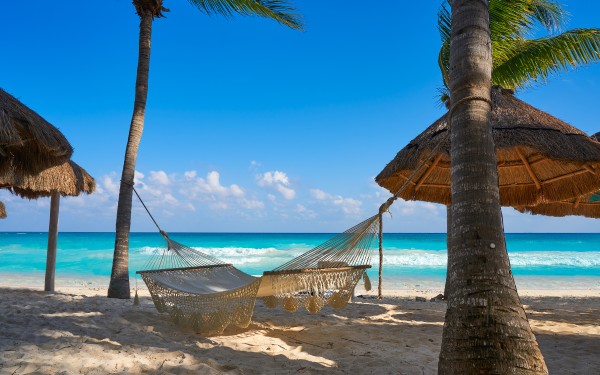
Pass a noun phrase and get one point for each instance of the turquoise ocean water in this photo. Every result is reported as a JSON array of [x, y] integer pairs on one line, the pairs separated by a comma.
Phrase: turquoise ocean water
[[570, 260]]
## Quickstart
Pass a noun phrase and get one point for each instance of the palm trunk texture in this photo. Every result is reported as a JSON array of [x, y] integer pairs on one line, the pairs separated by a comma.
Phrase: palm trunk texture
[[119, 278], [486, 330]]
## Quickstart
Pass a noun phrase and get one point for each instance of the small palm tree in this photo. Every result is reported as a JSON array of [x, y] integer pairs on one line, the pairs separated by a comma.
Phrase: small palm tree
[[278, 10], [521, 62]]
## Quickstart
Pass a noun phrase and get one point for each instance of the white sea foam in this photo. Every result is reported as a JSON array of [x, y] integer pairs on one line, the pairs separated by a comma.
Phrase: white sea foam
[[395, 258], [220, 252], [413, 258], [555, 259], [438, 259], [237, 252]]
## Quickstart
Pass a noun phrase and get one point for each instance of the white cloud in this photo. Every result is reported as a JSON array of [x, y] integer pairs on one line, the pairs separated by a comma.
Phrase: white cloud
[[279, 181], [319, 194], [190, 174], [159, 178], [271, 178], [347, 205], [305, 212], [252, 204], [236, 191], [137, 176], [109, 185], [286, 192], [211, 192], [169, 199]]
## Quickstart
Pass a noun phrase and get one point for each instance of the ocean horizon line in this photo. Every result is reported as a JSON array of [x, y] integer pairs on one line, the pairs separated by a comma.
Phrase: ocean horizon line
[[218, 232]]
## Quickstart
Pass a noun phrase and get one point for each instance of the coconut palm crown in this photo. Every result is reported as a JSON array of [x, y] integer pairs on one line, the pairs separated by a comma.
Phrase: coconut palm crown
[[518, 60]]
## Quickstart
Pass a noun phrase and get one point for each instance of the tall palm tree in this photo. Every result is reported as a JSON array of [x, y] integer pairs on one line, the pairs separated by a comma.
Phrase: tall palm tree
[[518, 62], [278, 10], [485, 330]]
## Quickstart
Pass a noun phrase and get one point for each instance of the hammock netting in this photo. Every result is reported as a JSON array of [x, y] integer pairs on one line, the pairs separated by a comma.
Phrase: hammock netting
[[207, 294], [199, 291], [325, 275]]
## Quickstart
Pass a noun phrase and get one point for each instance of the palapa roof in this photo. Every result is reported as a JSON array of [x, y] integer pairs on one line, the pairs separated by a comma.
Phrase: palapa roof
[[69, 179], [28, 143], [2, 211], [580, 206], [540, 158]]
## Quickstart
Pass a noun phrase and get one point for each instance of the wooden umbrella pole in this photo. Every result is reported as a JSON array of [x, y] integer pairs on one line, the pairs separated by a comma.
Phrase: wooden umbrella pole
[[52, 240], [380, 287]]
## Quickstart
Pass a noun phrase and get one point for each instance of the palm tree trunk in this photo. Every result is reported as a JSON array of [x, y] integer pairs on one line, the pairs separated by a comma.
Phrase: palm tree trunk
[[486, 330], [119, 279], [448, 237]]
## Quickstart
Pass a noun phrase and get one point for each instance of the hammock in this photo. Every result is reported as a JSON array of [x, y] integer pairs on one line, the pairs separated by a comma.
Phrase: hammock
[[325, 275], [207, 295], [199, 291]]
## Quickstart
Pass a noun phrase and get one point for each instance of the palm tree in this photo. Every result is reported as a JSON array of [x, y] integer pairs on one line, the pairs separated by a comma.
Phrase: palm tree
[[147, 10], [485, 330], [518, 61]]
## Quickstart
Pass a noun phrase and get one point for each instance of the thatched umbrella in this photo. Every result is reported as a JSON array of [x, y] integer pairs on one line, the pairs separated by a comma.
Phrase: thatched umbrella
[[67, 179], [28, 143], [587, 205], [540, 158], [2, 211]]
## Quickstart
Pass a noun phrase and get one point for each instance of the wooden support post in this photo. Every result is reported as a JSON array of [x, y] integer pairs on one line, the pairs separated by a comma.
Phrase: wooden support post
[[52, 240], [577, 201], [380, 284], [428, 172], [528, 167], [590, 169]]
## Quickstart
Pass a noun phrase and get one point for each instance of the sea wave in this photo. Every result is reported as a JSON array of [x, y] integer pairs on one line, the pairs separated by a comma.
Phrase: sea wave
[[396, 258], [590, 259], [220, 252], [438, 259]]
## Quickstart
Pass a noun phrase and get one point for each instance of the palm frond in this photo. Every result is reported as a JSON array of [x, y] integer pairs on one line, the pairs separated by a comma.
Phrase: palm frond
[[550, 15], [445, 21], [509, 20], [279, 10], [444, 62], [533, 61]]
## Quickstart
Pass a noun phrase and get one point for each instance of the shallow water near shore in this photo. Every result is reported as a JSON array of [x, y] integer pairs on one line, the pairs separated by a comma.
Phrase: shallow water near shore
[[411, 261]]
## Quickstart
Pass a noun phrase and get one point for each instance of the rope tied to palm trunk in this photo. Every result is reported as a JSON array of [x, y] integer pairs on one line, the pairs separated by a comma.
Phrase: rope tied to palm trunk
[[386, 205]]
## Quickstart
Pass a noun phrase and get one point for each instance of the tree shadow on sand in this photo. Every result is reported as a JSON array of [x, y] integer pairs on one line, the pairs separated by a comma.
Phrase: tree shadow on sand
[[361, 339], [49, 333]]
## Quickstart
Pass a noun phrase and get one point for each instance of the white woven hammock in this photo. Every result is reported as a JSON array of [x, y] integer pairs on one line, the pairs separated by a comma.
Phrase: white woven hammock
[[207, 295]]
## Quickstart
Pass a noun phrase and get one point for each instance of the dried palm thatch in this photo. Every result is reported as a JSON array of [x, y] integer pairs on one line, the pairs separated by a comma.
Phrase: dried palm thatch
[[28, 143], [587, 205], [540, 158], [68, 179], [2, 211]]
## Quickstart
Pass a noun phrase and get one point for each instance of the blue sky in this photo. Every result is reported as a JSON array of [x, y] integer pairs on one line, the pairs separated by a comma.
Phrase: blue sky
[[251, 127]]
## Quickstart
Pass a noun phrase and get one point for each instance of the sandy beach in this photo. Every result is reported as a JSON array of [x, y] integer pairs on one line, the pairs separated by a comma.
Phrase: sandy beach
[[78, 331]]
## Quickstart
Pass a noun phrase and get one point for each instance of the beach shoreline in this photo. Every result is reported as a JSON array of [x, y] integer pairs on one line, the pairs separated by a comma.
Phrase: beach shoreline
[[78, 330]]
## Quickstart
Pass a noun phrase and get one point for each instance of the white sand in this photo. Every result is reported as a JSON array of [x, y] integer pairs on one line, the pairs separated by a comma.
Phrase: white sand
[[78, 331]]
